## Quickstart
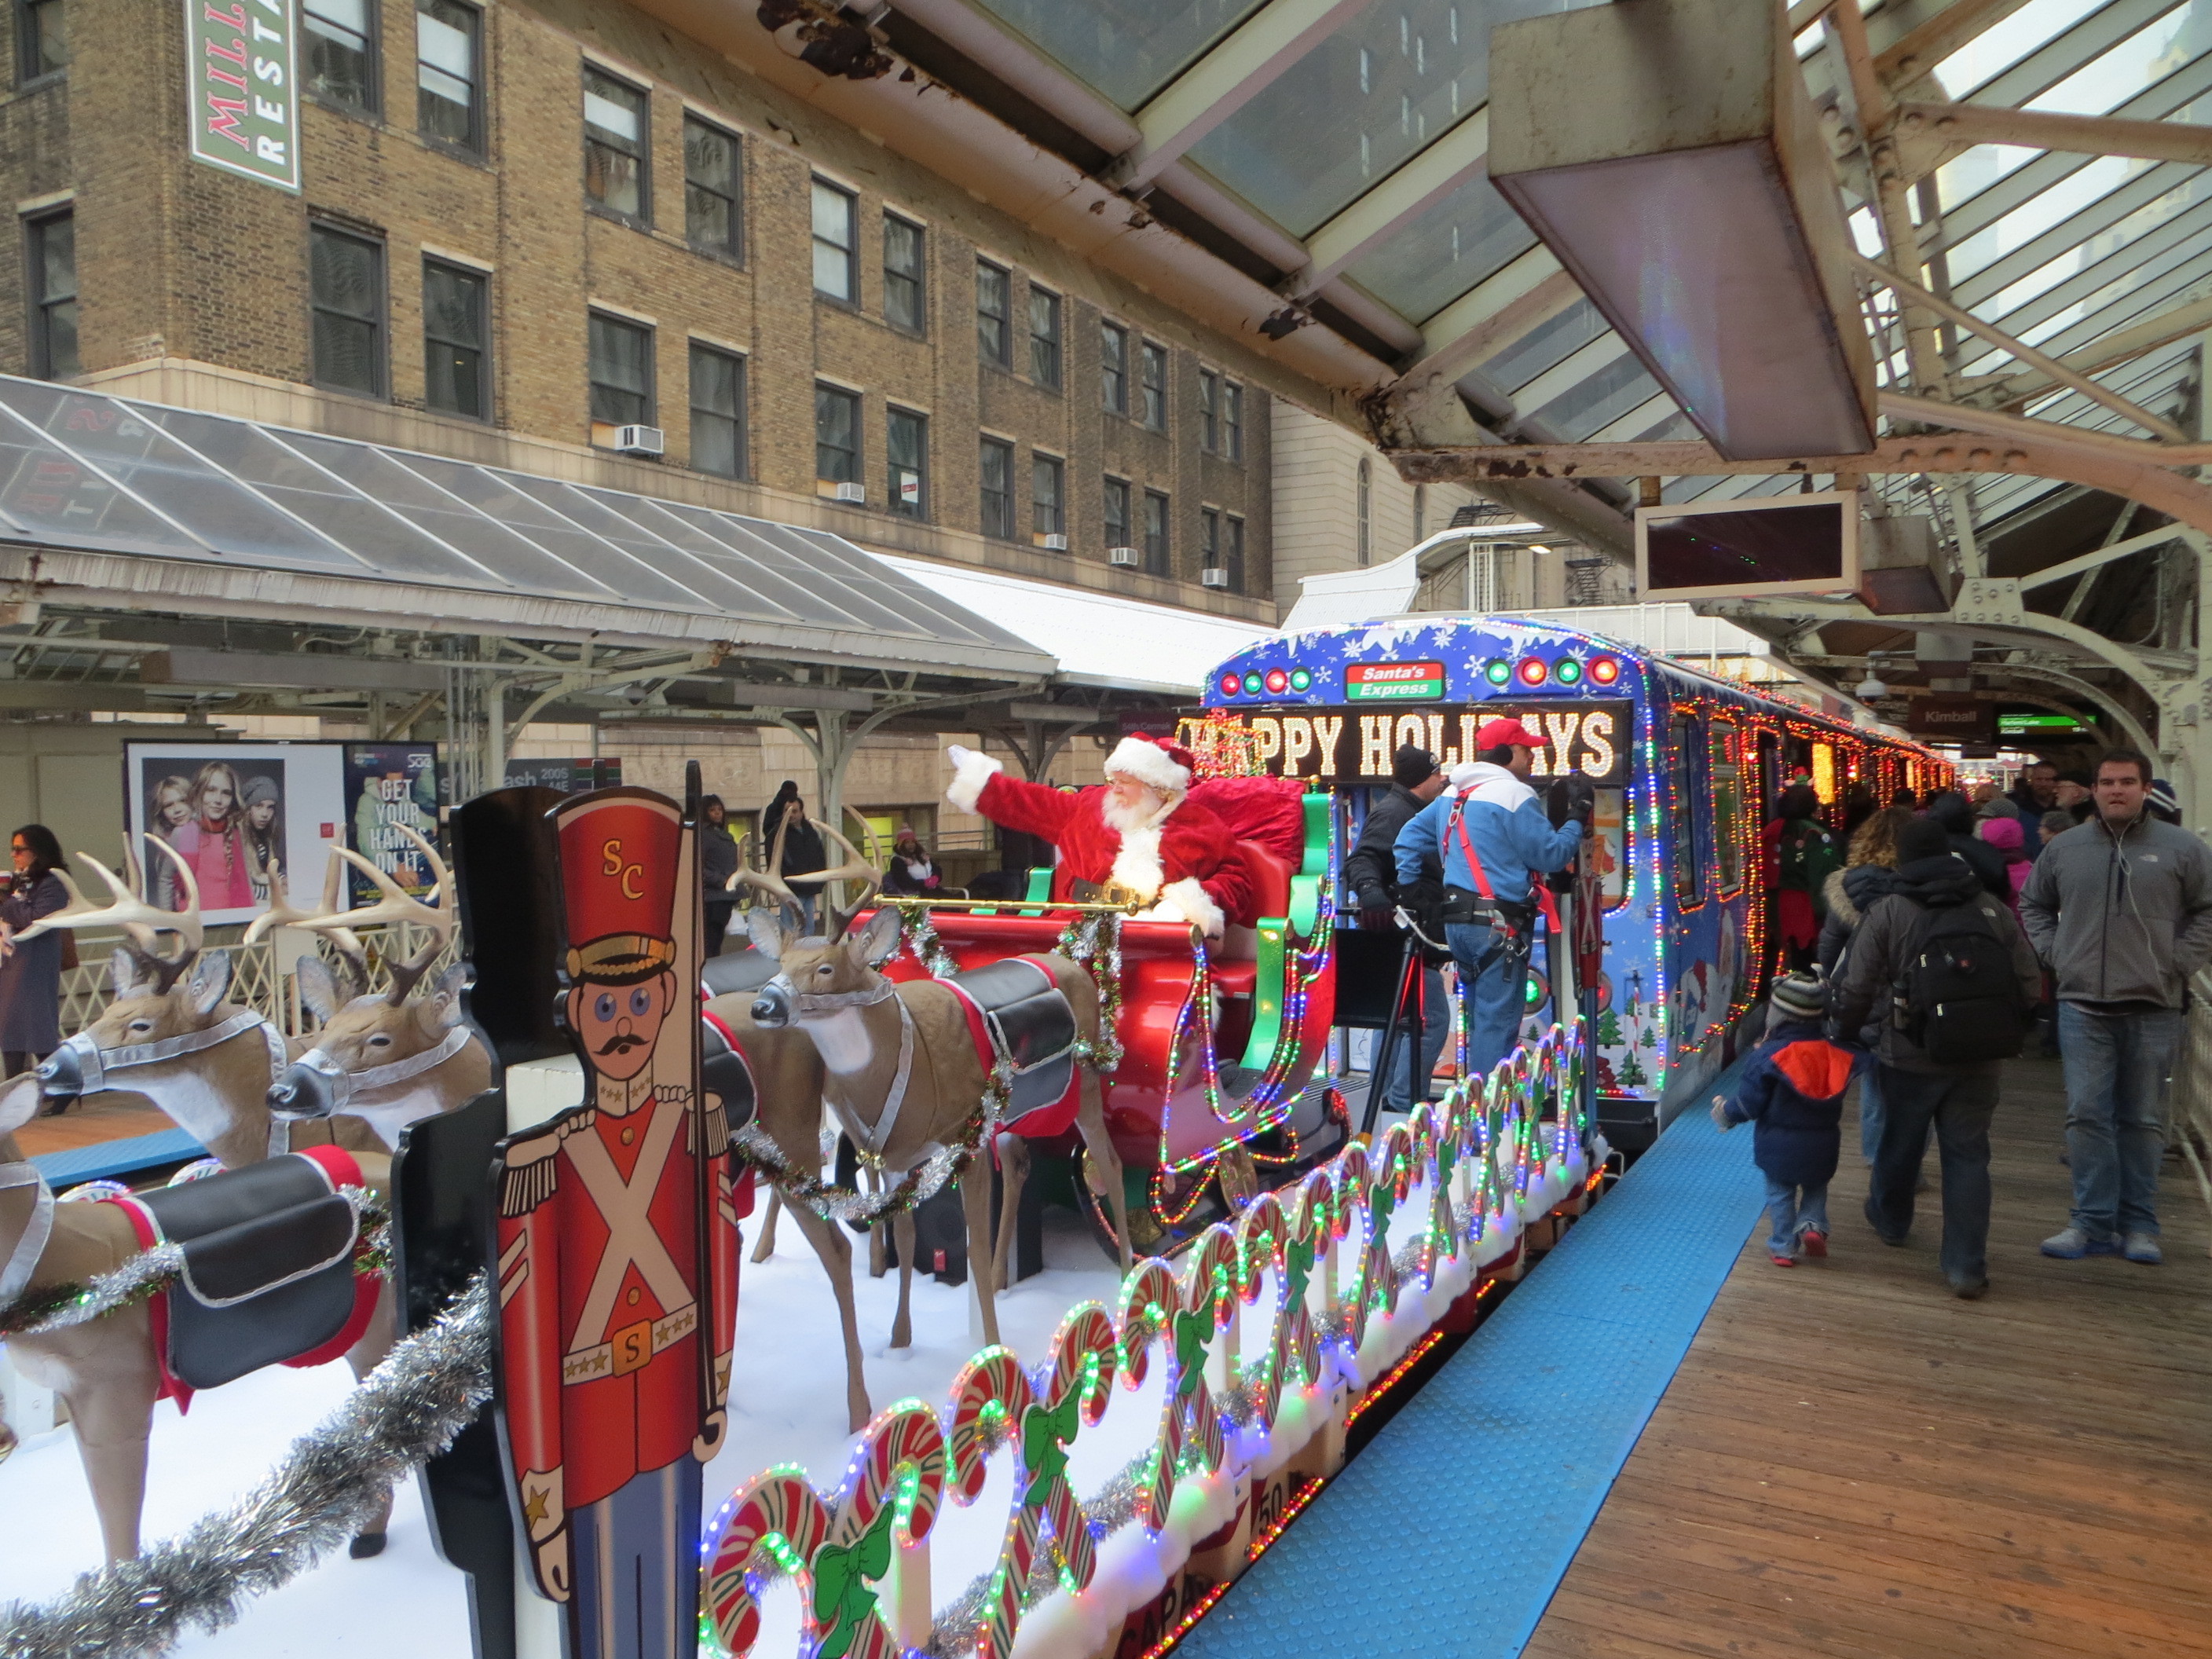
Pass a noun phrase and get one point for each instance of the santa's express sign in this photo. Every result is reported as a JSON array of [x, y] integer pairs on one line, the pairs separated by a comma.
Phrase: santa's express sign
[[1345, 748]]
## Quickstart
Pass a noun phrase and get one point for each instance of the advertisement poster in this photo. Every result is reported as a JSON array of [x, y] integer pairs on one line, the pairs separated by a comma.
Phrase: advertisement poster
[[390, 786], [233, 810]]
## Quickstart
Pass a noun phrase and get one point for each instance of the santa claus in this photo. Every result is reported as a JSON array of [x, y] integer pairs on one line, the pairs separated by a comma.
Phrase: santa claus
[[1138, 838]]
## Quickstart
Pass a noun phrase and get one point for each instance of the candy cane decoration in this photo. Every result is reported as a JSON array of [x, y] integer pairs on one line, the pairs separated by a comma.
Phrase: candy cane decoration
[[1150, 1302], [990, 1396], [1261, 1235], [775, 1525], [1072, 1387]]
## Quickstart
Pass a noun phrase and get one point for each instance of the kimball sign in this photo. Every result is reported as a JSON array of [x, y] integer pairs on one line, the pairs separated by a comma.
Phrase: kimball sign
[[244, 71]]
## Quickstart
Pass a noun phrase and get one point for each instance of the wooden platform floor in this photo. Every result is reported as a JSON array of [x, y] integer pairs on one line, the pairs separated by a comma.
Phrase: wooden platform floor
[[117, 1116], [1853, 1464]]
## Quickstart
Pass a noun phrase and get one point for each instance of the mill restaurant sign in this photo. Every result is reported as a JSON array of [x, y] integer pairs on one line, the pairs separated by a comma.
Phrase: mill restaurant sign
[[244, 67], [1347, 746]]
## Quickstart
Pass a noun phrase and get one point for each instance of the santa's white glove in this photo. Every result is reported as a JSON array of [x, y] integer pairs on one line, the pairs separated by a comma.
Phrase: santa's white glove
[[957, 754]]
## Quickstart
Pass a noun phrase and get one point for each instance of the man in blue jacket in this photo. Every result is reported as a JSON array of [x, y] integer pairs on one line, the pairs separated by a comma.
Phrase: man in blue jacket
[[1491, 812]]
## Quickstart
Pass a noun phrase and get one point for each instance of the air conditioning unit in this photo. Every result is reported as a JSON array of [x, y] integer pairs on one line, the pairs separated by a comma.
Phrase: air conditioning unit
[[852, 492], [639, 440], [1055, 543], [1126, 557], [1213, 576]]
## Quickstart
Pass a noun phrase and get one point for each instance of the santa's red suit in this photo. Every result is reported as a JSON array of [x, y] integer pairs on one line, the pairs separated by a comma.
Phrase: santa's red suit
[[1179, 857]]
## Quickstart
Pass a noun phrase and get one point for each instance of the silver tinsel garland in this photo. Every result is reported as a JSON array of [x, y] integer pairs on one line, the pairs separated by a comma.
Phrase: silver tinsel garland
[[409, 1408]]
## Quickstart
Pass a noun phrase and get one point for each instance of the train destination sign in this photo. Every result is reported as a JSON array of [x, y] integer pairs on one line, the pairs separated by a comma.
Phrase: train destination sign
[[1590, 739], [1394, 682]]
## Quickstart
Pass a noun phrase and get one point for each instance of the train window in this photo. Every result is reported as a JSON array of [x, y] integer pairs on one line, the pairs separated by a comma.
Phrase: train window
[[1687, 830], [1612, 840], [1728, 806], [1823, 773]]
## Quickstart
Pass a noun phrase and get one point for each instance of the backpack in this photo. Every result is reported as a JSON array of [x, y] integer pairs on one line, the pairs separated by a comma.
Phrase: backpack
[[1957, 998], [1809, 858]]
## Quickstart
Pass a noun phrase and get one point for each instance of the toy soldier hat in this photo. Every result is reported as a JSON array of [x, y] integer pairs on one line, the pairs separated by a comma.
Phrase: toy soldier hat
[[1167, 766], [618, 859]]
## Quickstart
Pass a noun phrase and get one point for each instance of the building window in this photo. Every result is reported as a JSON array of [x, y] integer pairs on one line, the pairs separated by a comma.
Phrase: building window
[[1117, 514], [1048, 493], [1044, 337], [993, 291], [341, 40], [903, 293], [1113, 367], [53, 297], [1209, 538], [346, 295], [836, 272], [448, 103], [718, 412], [455, 332], [1232, 420], [906, 447], [1365, 514], [1232, 552], [1152, 384], [617, 176], [836, 434], [42, 38], [1209, 417], [713, 189], [621, 372], [1156, 534], [999, 489]]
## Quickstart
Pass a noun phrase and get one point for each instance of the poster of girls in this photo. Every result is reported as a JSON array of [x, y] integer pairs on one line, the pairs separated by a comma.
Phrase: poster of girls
[[235, 812]]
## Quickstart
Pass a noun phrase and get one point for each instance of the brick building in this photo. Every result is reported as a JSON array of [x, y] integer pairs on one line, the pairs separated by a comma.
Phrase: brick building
[[522, 229]]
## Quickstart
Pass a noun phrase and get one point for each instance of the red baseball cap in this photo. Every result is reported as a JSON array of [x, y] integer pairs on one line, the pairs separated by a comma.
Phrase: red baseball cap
[[1498, 734]]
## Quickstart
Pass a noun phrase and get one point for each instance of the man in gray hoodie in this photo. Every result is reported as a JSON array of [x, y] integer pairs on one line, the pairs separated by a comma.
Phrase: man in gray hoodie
[[2120, 909]]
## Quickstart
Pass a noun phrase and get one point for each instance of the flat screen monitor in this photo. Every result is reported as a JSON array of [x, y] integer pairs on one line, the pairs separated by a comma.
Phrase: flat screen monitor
[[1777, 544]]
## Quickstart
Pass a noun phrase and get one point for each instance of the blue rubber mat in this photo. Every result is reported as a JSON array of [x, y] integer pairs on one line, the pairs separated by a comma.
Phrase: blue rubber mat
[[104, 1160], [1447, 1535]]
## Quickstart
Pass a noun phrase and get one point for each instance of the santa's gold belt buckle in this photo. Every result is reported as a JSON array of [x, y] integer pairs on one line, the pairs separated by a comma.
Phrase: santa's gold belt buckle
[[1105, 892]]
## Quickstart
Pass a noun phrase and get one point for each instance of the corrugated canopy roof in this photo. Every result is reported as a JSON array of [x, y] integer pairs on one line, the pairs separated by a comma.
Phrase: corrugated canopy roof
[[458, 546]]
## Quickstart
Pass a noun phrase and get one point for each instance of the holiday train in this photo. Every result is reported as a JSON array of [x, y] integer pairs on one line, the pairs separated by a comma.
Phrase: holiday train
[[1687, 770]]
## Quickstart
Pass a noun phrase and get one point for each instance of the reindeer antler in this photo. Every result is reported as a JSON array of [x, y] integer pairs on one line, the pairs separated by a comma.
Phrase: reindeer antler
[[283, 912], [397, 905], [855, 868], [138, 918]]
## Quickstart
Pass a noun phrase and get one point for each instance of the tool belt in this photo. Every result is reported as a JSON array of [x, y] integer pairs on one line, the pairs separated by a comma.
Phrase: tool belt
[[1466, 908]]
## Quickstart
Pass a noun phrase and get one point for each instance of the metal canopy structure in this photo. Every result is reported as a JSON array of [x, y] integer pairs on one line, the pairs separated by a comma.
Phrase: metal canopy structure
[[2026, 186]]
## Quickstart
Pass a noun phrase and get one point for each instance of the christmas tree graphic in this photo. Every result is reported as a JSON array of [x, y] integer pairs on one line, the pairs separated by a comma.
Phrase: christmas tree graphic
[[1632, 1075], [1608, 1030]]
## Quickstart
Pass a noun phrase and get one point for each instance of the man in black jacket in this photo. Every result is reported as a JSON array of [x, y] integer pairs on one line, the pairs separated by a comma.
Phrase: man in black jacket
[[1956, 814], [1371, 872]]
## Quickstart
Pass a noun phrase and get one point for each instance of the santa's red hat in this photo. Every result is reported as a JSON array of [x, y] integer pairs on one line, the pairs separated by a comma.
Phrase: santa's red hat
[[1167, 766]]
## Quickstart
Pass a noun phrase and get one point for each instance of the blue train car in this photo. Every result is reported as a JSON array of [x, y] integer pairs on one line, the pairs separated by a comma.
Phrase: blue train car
[[1687, 770]]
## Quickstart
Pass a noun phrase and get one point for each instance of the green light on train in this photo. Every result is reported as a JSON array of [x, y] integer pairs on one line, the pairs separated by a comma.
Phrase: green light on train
[[1498, 670]]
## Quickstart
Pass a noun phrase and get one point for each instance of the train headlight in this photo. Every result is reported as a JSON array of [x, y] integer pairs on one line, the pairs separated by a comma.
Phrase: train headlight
[[1301, 679], [1568, 671], [1498, 670]]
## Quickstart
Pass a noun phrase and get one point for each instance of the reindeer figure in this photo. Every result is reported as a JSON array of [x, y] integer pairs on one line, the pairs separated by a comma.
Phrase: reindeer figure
[[170, 1033], [105, 1369], [390, 1059], [905, 1078]]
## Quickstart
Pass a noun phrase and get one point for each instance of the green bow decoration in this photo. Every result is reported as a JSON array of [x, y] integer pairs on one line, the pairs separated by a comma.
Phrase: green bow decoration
[[1381, 1199], [1045, 1431], [843, 1596], [1297, 1268], [1192, 1331]]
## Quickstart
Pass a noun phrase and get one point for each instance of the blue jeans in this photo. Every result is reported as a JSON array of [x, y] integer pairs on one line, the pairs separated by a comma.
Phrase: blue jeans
[[2116, 1068], [1870, 1114], [1794, 1210], [1493, 984], [1408, 1085]]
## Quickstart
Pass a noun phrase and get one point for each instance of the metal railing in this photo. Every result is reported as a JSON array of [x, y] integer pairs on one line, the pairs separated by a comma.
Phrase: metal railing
[[2189, 1119], [257, 980]]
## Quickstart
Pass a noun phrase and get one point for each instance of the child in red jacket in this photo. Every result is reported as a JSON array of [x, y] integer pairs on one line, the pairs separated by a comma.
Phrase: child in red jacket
[[1792, 1087]]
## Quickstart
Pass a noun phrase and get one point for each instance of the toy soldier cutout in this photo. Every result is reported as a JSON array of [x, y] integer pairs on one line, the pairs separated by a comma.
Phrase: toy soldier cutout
[[617, 1251]]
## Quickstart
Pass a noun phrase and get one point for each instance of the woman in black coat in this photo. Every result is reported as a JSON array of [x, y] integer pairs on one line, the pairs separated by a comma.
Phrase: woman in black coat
[[718, 862], [31, 969]]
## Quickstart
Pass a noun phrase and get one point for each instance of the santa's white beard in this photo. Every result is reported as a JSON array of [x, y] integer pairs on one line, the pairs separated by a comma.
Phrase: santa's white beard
[[1137, 862]]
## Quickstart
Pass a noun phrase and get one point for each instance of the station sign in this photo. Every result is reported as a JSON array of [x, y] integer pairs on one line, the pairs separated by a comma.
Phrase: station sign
[[1586, 739], [2045, 726], [1962, 719], [242, 65], [1394, 682]]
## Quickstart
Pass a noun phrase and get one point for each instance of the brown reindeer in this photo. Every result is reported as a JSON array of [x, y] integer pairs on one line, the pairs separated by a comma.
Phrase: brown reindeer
[[904, 1078], [105, 1369], [393, 1058]]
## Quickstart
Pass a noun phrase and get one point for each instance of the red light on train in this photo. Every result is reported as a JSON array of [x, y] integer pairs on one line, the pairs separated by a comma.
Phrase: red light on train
[[1278, 681], [1231, 685], [1532, 671], [1604, 670]]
